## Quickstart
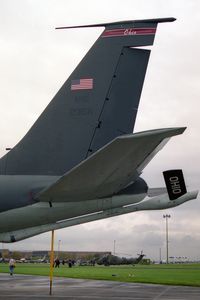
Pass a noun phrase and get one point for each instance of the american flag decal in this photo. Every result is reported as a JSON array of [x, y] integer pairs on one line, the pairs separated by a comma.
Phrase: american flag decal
[[82, 84]]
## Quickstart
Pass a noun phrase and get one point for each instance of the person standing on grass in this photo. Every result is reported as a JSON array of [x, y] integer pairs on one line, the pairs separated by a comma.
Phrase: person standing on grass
[[11, 266], [57, 263]]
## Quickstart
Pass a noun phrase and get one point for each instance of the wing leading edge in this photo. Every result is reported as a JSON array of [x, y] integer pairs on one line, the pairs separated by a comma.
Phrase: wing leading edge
[[111, 168]]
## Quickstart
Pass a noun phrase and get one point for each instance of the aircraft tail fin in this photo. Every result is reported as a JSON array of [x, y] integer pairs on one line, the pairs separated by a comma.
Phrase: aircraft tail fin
[[97, 103]]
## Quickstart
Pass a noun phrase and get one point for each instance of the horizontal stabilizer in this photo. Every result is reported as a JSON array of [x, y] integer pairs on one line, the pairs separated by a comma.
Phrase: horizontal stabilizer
[[109, 169], [152, 192]]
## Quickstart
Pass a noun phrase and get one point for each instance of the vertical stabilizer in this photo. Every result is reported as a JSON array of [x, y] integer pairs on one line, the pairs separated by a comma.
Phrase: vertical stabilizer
[[97, 103]]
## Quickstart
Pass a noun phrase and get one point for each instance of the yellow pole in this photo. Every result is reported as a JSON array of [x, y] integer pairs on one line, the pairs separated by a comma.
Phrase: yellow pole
[[51, 262]]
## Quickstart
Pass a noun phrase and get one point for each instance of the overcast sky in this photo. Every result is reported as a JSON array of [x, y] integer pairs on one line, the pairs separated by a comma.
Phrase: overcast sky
[[35, 60]]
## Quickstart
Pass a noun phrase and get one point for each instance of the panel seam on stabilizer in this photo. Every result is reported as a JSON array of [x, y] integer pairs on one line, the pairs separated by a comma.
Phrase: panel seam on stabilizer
[[103, 106]]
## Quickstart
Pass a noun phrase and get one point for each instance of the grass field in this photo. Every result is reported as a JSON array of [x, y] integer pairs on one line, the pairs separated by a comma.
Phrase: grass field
[[187, 274]]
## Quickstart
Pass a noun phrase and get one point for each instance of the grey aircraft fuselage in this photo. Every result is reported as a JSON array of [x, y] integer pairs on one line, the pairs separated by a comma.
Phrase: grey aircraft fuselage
[[17, 203]]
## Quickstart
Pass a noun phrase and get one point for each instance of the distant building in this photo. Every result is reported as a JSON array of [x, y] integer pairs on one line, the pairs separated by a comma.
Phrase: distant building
[[82, 254], [4, 253], [39, 254]]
